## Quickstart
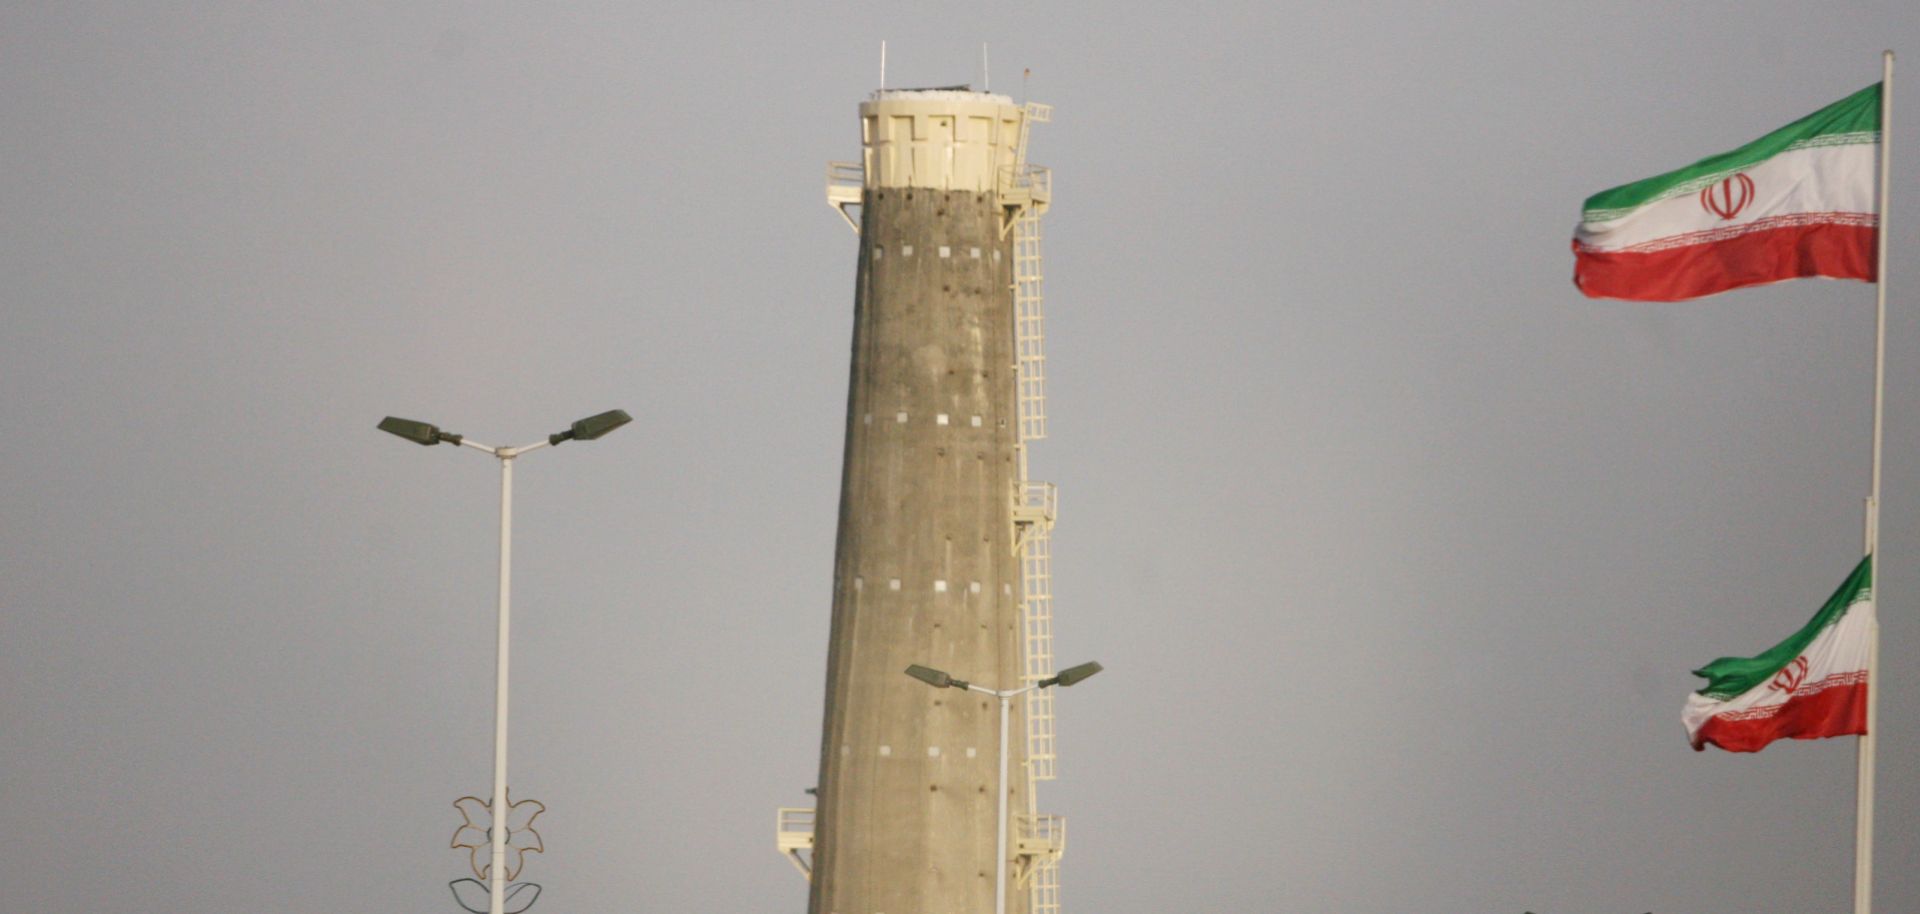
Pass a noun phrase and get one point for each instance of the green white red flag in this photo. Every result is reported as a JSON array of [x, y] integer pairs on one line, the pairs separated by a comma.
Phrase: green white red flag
[[1810, 686], [1797, 202]]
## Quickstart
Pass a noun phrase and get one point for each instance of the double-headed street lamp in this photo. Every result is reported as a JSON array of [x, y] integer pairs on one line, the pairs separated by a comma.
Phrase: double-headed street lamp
[[940, 680], [428, 434]]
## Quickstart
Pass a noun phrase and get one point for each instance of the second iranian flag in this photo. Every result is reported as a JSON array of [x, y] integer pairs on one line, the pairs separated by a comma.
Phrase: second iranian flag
[[1810, 686], [1796, 202]]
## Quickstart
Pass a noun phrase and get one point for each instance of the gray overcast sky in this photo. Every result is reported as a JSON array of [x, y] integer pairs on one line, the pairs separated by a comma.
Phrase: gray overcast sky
[[1397, 550]]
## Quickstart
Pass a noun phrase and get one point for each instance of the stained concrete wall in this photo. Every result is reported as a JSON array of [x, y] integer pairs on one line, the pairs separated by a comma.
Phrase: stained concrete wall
[[925, 570]]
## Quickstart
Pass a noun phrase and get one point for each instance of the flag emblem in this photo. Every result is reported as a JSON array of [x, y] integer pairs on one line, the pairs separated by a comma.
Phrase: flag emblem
[[1791, 675], [1727, 198]]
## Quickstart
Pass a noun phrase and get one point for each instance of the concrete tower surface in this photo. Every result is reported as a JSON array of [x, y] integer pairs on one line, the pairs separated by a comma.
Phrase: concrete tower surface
[[927, 569]]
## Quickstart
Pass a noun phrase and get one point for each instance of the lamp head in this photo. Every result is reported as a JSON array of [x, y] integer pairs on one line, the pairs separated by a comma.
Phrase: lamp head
[[1073, 674], [416, 431], [935, 678], [592, 427]]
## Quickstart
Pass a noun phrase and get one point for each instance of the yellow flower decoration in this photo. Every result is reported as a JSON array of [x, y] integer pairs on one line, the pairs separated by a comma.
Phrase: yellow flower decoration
[[475, 834]]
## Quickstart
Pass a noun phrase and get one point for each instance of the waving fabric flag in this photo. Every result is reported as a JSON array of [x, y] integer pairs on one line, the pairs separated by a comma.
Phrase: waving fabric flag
[[1810, 686], [1796, 202]]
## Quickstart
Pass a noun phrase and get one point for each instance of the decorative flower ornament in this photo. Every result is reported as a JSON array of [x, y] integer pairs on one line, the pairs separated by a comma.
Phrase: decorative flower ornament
[[476, 835]]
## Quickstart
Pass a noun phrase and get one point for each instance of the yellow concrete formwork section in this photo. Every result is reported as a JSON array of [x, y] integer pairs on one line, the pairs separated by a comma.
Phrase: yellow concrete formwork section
[[940, 139]]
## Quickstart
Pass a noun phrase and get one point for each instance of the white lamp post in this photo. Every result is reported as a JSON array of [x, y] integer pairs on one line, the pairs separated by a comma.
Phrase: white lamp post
[[940, 680], [427, 434]]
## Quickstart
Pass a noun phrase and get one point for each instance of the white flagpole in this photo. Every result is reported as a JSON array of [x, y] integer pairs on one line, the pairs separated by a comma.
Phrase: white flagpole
[[1863, 814]]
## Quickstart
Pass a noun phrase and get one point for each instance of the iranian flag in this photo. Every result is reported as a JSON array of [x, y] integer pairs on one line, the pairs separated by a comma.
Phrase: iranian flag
[[1796, 202], [1810, 686]]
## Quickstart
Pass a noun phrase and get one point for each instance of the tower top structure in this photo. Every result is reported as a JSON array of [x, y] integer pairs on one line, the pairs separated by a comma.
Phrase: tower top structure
[[941, 139]]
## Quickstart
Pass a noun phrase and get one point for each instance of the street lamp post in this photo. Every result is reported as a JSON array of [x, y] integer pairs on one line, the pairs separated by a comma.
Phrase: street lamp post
[[941, 680], [428, 434]]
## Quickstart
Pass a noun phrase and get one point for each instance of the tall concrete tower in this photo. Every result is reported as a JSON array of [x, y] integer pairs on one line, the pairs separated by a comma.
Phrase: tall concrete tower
[[942, 552]]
